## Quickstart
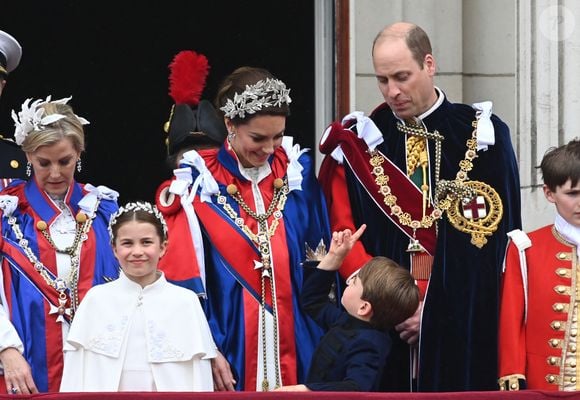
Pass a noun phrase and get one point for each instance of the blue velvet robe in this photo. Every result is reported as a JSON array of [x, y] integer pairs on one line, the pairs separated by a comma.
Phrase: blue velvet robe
[[28, 295], [458, 345], [231, 293]]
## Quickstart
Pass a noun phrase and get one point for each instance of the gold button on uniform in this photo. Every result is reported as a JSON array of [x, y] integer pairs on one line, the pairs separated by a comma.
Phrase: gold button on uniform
[[573, 363], [559, 307], [573, 332], [514, 386], [573, 379], [573, 348], [556, 325], [551, 378], [561, 271], [14, 164], [552, 360]]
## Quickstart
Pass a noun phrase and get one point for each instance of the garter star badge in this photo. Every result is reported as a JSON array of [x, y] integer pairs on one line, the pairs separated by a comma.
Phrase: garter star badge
[[479, 216]]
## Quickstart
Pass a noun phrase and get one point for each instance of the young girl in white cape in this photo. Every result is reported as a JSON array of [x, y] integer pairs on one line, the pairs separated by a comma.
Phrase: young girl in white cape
[[139, 332]]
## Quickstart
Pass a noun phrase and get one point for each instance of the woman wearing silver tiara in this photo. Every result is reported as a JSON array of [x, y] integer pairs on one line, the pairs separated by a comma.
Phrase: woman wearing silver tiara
[[239, 228], [151, 335], [54, 246]]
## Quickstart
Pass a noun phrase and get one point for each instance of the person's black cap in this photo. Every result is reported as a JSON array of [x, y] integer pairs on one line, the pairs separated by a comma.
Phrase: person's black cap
[[189, 126], [10, 53], [191, 122]]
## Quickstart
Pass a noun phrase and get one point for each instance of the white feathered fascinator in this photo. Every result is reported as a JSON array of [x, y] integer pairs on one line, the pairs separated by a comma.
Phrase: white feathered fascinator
[[31, 117]]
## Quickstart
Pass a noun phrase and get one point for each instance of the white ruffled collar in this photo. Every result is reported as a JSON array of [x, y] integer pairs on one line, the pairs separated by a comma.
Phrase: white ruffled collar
[[255, 174], [569, 232]]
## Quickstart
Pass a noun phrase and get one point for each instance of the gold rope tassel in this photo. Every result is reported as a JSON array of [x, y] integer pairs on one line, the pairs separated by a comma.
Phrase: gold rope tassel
[[415, 147], [425, 187]]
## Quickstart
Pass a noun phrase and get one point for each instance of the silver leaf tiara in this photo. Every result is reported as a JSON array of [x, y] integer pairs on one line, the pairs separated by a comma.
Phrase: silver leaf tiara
[[31, 117], [137, 206], [264, 93]]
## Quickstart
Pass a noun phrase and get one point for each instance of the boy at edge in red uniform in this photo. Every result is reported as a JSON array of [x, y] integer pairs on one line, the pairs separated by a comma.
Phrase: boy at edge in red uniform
[[538, 310]]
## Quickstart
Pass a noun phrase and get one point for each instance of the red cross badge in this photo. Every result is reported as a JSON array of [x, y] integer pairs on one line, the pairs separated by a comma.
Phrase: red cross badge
[[475, 208]]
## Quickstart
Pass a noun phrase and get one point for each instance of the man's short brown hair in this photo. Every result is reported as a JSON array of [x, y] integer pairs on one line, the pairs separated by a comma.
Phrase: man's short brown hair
[[415, 37], [560, 164]]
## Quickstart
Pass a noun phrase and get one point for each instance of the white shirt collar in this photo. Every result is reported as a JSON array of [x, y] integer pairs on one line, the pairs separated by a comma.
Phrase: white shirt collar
[[435, 106], [135, 286], [431, 110]]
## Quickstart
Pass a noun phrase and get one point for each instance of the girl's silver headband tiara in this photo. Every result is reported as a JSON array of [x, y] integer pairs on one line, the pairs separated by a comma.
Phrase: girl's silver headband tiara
[[138, 206]]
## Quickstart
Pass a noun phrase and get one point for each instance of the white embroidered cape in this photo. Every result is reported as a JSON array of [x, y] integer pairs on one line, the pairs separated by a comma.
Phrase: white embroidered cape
[[179, 342]]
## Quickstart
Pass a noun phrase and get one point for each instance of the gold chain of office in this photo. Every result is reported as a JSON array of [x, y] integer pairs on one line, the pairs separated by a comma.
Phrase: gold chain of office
[[445, 191], [59, 284], [262, 240]]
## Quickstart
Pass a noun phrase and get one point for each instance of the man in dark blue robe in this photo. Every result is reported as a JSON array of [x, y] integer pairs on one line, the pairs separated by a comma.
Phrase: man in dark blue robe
[[437, 185]]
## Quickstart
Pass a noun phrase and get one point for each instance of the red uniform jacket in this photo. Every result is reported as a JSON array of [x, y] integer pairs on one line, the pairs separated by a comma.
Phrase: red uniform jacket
[[534, 347]]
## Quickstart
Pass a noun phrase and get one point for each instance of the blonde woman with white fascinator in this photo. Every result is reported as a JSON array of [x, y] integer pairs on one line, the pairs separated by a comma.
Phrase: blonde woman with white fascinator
[[54, 246]]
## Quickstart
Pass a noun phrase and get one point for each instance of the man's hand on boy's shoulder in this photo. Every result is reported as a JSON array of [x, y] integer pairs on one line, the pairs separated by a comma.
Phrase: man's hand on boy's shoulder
[[409, 329]]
